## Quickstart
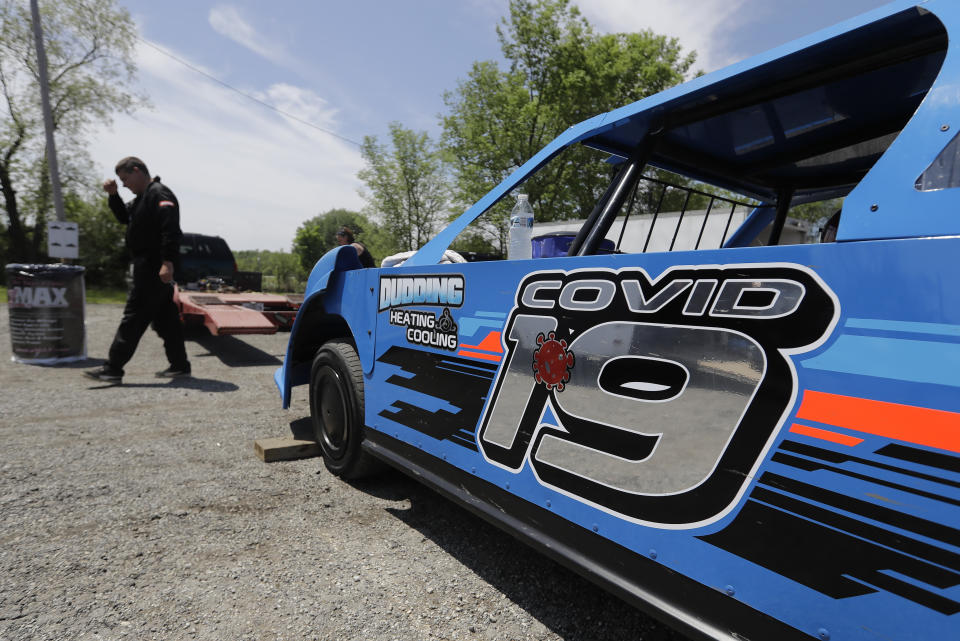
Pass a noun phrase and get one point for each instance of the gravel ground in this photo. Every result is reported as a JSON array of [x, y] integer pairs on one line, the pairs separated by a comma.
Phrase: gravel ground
[[141, 512]]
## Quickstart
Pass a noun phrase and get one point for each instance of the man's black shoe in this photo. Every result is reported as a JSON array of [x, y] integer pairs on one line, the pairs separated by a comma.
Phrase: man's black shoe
[[105, 374], [174, 372]]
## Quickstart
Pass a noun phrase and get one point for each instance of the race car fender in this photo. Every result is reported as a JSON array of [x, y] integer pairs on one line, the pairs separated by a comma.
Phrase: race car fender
[[321, 317]]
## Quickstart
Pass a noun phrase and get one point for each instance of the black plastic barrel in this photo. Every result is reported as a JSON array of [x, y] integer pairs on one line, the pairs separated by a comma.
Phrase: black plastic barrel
[[46, 304]]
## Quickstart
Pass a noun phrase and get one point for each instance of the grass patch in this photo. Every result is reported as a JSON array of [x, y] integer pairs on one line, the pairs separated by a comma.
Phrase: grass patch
[[94, 295], [106, 294]]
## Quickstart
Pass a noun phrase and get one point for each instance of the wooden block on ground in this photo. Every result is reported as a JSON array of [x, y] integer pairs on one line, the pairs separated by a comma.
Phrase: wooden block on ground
[[284, 449]]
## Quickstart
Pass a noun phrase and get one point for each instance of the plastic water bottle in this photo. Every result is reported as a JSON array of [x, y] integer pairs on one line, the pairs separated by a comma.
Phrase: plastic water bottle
[[519, 244]]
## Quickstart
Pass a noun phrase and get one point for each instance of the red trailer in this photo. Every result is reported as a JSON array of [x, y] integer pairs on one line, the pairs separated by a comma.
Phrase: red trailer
[[238, 313]]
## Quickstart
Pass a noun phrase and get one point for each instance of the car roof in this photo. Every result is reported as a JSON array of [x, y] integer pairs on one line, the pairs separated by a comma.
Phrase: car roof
[[776, 119]]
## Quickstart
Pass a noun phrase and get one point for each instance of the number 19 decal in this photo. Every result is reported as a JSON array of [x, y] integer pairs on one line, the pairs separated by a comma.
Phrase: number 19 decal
[[652, 399]]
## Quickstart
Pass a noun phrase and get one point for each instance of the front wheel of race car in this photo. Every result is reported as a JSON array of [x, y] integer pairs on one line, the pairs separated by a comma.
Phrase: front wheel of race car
[[336, 407]]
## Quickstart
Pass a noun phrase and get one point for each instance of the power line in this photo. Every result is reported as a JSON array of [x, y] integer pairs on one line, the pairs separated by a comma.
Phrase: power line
[[244, 94]]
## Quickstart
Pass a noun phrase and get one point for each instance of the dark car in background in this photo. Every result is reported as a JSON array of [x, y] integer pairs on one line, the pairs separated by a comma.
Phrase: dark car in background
[[205, 257]]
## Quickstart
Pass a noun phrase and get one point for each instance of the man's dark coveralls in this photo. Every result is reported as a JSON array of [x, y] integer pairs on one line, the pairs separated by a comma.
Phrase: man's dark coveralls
[[153, 236]]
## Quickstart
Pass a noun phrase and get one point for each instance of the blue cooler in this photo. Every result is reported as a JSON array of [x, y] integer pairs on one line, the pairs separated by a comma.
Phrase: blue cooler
[[556, 244]]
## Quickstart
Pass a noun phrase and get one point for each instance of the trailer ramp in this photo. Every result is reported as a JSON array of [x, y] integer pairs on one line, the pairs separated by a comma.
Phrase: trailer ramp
[[238, 313]]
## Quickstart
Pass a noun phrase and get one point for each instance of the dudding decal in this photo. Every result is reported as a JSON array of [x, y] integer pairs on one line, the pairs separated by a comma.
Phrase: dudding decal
[[425, 328], [445, 290]]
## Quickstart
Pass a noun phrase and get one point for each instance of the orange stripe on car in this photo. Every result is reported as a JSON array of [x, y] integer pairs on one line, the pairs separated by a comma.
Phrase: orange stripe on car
[[489, 344], [825, 435], [919, 425], [486, 357]]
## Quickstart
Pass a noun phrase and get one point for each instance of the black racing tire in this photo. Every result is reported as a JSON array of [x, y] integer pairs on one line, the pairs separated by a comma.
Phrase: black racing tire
[[336, 409]]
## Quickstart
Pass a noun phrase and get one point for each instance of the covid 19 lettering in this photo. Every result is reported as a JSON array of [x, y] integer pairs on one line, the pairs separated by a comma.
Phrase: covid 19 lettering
[[672, 389]]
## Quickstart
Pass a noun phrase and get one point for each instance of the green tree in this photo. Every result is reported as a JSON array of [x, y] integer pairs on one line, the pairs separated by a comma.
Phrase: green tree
[[281, 271], [287, 270], [102, 249], [89, 47], [4, 251], [475, 241], [250, 260], [407, 190], [316, 236], [560, 73]]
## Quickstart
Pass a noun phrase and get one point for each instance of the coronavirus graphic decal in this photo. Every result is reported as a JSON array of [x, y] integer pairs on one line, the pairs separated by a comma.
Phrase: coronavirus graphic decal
[[552, 362]]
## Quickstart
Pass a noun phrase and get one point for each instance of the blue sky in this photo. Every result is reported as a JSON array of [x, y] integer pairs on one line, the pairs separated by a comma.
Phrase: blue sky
[[252, 175]]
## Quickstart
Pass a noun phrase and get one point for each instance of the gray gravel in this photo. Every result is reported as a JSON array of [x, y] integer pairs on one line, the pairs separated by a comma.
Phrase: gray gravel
[[141, 512]]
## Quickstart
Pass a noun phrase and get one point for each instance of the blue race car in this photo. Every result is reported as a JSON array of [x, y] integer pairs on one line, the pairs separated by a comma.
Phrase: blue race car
[[749, 436]]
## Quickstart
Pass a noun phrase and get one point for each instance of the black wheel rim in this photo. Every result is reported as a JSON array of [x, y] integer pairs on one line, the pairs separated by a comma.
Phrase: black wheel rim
[[332, 412]]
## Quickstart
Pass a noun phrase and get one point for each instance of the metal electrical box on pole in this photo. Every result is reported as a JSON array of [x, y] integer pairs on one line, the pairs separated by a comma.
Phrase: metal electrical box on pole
[[47, 113]]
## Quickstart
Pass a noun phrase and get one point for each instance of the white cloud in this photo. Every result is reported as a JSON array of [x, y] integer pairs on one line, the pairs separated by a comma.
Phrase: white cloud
[[299, 102], [239, 170], [493, 9], [229, 22], [700, 25]]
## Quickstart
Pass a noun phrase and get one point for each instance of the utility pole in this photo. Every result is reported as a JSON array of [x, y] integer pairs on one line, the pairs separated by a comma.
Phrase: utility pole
[[47, 113]]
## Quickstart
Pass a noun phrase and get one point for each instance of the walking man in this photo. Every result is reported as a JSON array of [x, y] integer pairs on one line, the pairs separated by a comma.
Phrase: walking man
[[153, 240]]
